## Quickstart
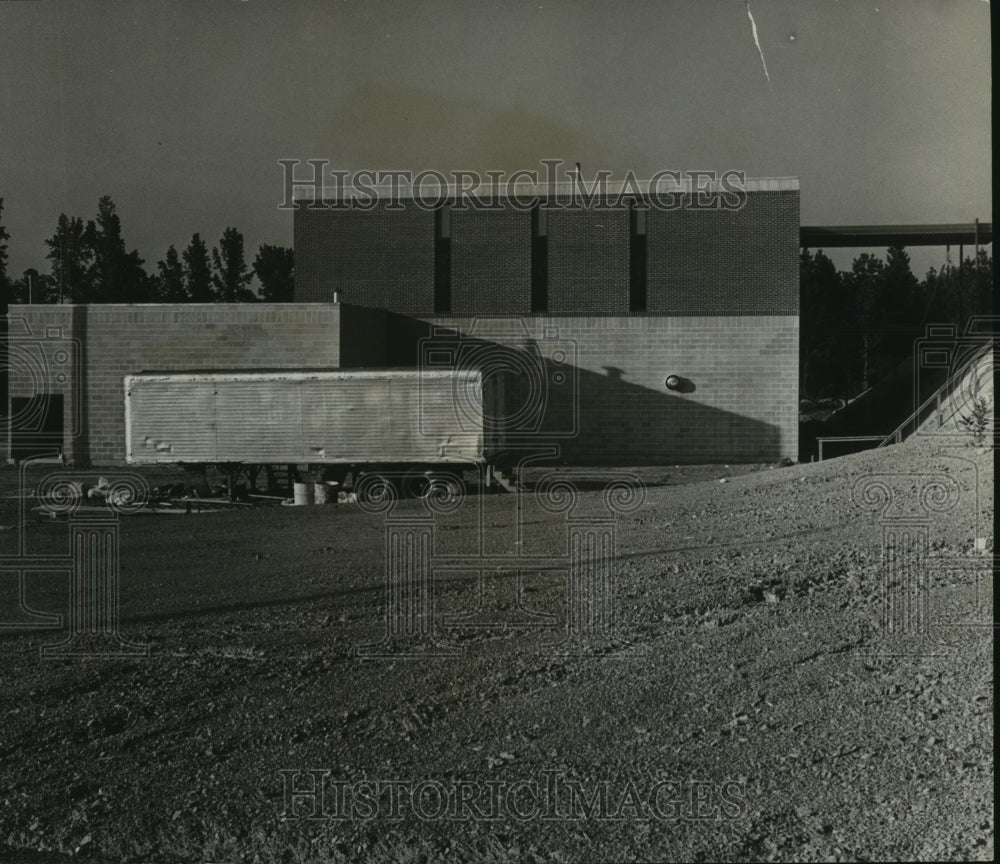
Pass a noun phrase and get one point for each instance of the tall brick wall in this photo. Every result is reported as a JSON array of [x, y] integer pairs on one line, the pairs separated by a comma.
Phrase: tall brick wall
[[490, 262], [725, 262], [610, 404], [84, 353], [698, 261], [721, 310], [379, 258], [721, 305], [588, 258]]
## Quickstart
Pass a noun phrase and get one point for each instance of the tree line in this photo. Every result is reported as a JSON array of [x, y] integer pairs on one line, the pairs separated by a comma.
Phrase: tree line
[[858, 326], [88, 263]]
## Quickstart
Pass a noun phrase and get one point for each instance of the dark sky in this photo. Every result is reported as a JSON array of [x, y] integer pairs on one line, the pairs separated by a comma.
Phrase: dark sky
[[180, 111]]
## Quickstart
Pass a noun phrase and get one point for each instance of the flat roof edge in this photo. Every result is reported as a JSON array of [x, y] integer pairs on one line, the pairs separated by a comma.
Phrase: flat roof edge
[[299, 374], [860, 236], [432, 190]]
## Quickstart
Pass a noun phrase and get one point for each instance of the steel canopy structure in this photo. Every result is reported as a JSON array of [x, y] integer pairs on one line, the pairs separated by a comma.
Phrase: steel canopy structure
[[831, 236]]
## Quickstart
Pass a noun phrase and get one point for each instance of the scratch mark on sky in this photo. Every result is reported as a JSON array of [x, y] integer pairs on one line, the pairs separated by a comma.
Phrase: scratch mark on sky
[[756, 41]]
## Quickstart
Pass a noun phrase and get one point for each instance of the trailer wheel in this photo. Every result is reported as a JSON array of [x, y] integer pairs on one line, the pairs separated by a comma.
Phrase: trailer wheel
[[375, 489], [445, 489], [416, 484], [335, 474]]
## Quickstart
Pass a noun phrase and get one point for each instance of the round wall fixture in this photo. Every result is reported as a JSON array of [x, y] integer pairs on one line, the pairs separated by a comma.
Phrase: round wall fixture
[[679, 384]]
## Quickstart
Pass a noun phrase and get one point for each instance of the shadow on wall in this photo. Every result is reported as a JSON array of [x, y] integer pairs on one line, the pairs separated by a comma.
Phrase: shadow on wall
[[594, 418], [621, 422], [363, 337], [79, 425]]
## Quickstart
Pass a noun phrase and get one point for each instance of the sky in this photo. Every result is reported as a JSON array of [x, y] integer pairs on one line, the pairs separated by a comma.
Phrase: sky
[[181, 111]]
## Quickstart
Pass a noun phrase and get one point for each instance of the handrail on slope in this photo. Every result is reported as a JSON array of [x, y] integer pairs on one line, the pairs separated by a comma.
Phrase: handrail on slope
[[899, 434]]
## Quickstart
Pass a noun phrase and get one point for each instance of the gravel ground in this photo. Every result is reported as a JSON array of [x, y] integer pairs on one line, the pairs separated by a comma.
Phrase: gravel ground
[[744, 707]]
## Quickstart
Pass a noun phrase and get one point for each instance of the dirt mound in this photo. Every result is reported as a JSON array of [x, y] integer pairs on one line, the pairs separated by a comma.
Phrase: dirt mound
[[742, 699]]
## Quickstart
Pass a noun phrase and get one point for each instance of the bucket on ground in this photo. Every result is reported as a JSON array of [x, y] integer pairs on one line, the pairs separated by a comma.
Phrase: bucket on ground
[[303, 493], [325, 492]]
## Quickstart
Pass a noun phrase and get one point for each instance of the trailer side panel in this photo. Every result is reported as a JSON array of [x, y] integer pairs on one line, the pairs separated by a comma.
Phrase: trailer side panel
[[358, 416]]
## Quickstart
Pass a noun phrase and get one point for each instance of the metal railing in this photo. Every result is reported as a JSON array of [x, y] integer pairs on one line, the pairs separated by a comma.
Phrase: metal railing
[[846, 439], [930, 406], [934, 401]]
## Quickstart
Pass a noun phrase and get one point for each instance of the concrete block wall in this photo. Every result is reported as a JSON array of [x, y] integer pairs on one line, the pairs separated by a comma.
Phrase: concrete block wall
[[602, 395], [610, 404], [104, 343], [721, 309]]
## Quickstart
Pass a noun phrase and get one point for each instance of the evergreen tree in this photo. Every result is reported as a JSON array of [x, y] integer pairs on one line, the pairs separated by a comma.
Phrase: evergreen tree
[[901, 314], [981, 278], [274, 266], [231, 277], [70, 257], [866, 287], [197, 272], [5, 282], [170, 282], [117, 276], [952, 294]]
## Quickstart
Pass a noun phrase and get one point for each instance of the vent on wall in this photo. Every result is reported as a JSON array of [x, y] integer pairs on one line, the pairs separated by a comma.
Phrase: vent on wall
[[637, 258], [442, 259], [539, 259]]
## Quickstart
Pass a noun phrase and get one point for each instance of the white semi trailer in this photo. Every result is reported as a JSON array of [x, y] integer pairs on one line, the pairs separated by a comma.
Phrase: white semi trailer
[[417, 425]]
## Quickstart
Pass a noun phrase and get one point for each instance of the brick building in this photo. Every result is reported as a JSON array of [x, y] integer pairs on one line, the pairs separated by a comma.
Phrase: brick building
[[67, 363], [583, 311], [630, 294]]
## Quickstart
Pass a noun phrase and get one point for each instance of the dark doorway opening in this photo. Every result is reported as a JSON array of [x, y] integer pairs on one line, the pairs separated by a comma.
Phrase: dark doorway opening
[[36, 425]]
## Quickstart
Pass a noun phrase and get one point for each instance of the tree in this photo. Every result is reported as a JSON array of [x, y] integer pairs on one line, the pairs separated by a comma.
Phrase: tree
[[71, 258], [274, 266], [5, 282], [34, 287], [170, 281], [197, 272], [231, 277], [952, 294], [981, 283], [900, 282], [867, 289], [900, 312], [117, 276], [827, 327]]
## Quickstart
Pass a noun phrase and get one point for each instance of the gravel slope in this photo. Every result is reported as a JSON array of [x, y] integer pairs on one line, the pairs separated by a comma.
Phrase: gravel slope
[[740, 671]]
